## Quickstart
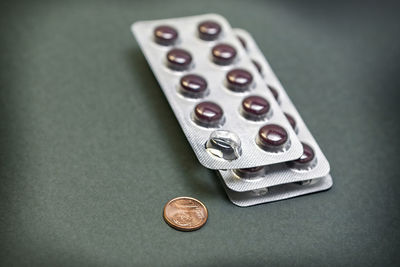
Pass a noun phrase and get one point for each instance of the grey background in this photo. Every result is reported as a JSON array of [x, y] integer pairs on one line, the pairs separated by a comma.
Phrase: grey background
[[90, 150]]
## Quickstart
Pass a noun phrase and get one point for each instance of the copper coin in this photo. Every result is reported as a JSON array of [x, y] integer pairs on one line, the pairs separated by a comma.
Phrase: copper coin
[[185, 213]]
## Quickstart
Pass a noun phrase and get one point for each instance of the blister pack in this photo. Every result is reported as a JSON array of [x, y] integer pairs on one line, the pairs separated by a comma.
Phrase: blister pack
[[230, 118], [312, 164], [279, 192]]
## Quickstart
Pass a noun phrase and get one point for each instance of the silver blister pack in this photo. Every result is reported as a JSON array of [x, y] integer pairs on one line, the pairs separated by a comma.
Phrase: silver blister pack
[[222, 121], [282, 173], [279, 192]]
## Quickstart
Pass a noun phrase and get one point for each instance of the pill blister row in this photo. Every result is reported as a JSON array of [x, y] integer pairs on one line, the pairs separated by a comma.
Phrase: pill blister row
[[310, 165], [278, 192], [222, 103]]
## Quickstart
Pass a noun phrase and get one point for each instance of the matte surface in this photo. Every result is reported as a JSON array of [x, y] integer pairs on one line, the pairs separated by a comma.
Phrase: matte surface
[[91, 152]]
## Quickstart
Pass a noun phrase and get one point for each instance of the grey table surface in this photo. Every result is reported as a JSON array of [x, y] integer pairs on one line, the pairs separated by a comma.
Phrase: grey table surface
[[90, 150]]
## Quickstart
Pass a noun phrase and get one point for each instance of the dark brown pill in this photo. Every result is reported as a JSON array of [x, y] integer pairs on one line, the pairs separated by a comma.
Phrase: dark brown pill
[[239, 79], [193, 84], [179, 59], [291, 120], [209, 30], [272, 135], [308, 155], [242, 41], [165, 35], [249, 172], [258, 66], [208, 113], [255, 105], [223, 54], [274, 92]]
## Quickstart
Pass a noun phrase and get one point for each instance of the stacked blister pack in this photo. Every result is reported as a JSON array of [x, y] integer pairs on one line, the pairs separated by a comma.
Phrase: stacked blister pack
[[234, 112]]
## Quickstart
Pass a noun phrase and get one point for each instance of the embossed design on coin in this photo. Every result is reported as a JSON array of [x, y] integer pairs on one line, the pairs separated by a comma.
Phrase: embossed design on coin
[[185, 213]]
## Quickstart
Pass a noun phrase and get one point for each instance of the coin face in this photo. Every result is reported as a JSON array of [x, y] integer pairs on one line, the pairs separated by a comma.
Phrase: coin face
[[185, 213]]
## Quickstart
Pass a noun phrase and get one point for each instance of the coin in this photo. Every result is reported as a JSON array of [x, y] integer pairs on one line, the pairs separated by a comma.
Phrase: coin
[[185, 213]]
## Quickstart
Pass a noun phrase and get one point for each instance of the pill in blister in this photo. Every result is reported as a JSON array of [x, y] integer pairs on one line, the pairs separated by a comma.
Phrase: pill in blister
[[292, 121], [250, 172], [223, 54], [255, 108], [193, 85], [239, 80], [165, 35], [258, 66], [209, 30], [179, 59], [242, 42], [224, 144], [272, 137], [306, 161], [274, 92], [208, 114]]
